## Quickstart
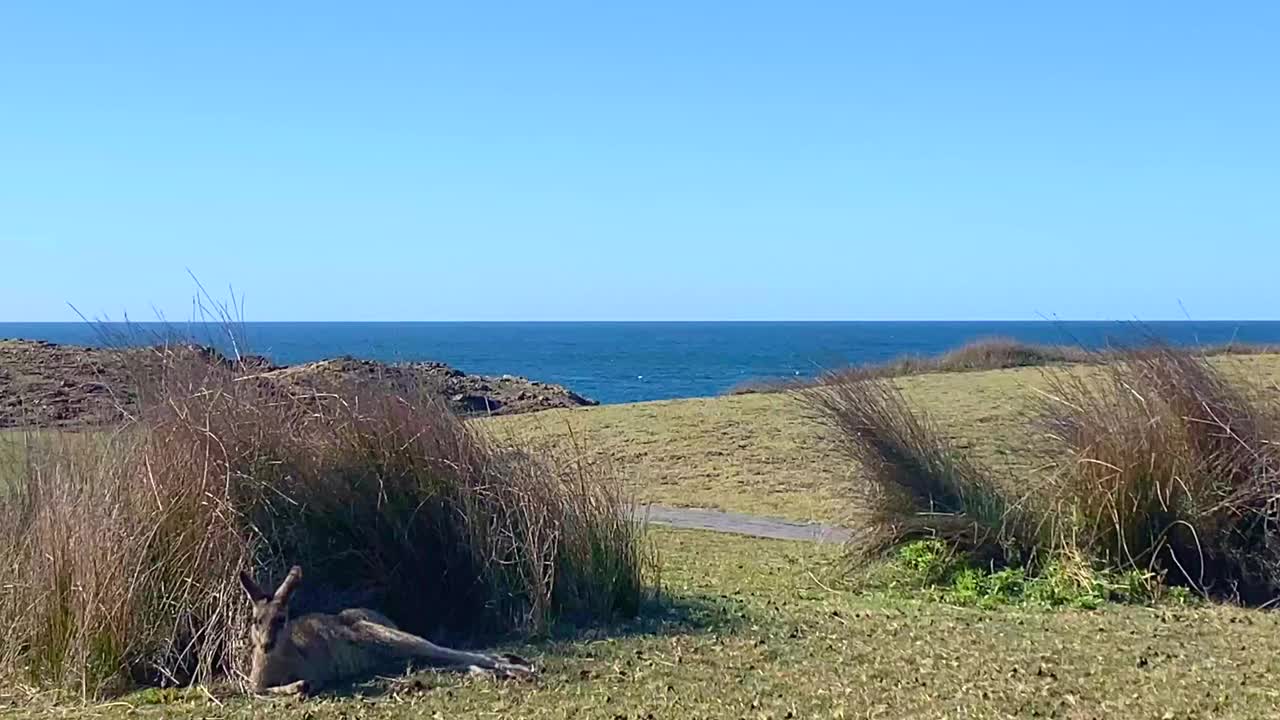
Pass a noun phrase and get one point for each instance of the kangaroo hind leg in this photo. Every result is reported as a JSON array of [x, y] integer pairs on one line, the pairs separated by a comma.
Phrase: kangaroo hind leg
[[409, 645], [352, 616]]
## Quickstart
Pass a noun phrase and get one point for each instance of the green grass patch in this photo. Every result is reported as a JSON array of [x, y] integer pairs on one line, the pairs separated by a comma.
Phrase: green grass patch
[[935, 569]]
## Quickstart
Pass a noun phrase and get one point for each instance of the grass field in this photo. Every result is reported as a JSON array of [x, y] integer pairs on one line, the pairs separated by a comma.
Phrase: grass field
[[756, 628], [12, 455], [766, 629]]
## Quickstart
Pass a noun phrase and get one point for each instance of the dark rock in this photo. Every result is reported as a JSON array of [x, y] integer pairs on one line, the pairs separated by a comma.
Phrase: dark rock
[[44, 384], [475, 404]]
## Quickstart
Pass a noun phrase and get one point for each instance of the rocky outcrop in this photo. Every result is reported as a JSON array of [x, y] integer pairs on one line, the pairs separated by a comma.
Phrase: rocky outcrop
[[48, 385], [45, 384], [467, 394]]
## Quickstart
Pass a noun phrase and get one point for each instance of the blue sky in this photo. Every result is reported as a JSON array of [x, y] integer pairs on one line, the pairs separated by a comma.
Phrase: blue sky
[[628, 161]]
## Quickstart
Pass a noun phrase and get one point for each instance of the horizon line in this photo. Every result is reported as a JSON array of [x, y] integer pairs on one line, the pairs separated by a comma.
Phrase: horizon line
[[1048, 321]]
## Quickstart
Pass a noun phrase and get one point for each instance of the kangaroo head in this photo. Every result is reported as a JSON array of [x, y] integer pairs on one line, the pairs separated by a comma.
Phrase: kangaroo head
[[270, 610]]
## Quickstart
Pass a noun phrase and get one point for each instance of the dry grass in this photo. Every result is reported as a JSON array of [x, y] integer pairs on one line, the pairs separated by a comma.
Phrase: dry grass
[[118, 552], [985, 354], [915, 483], [1172, 466]]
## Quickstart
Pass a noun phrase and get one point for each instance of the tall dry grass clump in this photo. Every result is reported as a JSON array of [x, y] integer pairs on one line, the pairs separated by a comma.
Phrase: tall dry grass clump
[[994, 353], [991, 353], [915, 483], [1172, 467], [118, 552], [1170, 470]]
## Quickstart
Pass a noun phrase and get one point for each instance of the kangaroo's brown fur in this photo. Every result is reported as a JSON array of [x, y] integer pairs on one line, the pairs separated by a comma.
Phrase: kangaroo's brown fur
[[310, 652]]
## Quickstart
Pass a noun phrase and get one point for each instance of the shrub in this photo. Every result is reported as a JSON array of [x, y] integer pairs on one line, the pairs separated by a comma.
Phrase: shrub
[[1172, 473], [994, 353], [928, 562], [983, 354], [989, 354], [915, 484], [118, 552], [1172, 468]]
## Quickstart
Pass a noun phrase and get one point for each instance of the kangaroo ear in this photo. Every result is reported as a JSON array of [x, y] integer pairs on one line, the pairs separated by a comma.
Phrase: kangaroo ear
[[290, 584], [251, 588]]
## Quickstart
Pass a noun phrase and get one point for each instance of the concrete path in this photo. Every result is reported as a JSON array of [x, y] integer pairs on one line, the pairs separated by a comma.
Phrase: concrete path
[[740, 523]]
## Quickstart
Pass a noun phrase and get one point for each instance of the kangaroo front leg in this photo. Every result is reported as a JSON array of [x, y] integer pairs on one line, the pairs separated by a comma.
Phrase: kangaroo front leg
[[293, 688]]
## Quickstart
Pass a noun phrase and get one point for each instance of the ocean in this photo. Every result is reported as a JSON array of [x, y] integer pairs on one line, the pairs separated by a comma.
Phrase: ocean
[[631, 362]]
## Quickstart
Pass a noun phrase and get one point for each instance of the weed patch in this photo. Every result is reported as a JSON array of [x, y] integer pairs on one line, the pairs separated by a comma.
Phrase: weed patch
[[935, 569]]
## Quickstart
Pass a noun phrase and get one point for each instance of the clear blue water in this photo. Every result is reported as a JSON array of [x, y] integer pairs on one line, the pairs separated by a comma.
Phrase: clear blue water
[[629, 362]]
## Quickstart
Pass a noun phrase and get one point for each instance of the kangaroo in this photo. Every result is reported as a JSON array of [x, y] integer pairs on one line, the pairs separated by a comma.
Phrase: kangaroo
[[300, 656]]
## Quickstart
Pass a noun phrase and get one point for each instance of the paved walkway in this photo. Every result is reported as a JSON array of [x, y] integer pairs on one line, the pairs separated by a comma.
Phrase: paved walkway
[[741, 523]]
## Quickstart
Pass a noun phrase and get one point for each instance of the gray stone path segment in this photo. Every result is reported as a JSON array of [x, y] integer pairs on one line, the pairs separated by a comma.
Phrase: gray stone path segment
[[740, 523]]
